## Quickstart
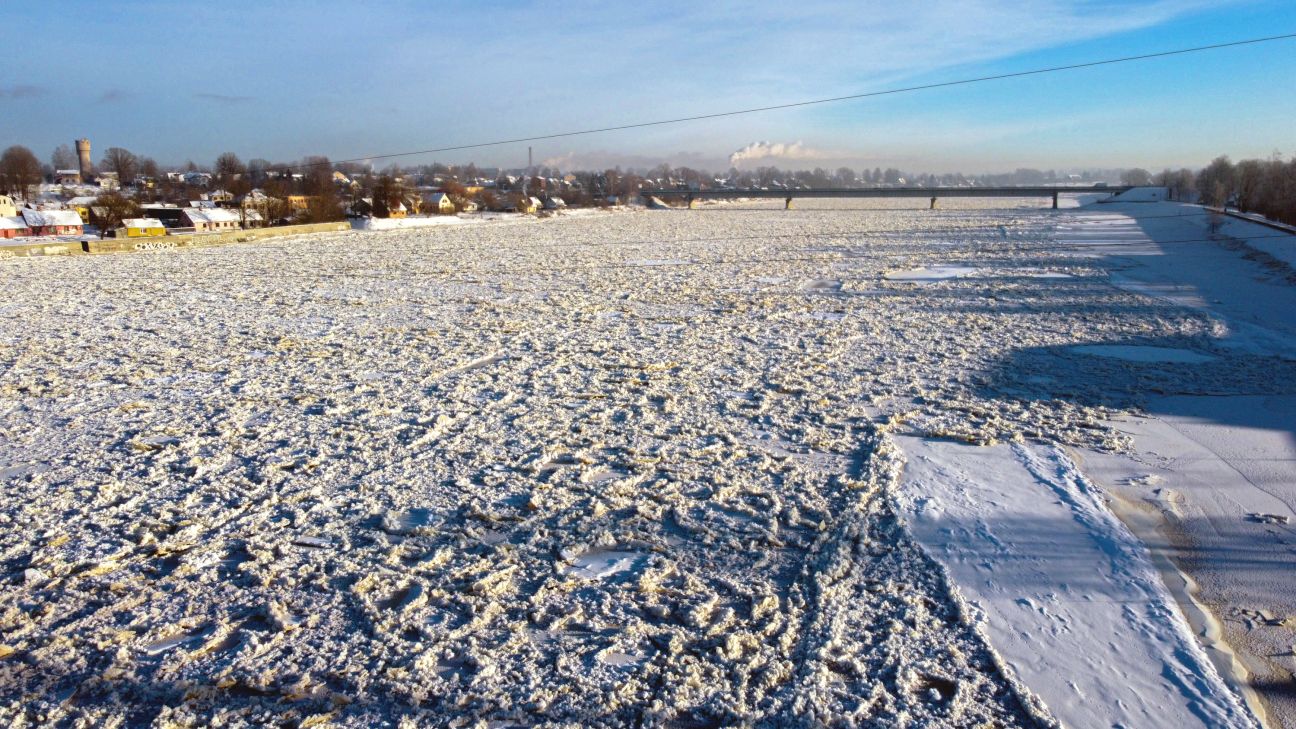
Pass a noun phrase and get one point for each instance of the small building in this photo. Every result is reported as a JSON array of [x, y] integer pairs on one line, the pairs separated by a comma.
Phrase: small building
[[141, 228], [253, 218], [108, 181], [198, 179], [53, 222], [298, 203], [468, 206], [212, 220], [441, 203], [67, 178], [170, 215], [13, 226], [7, 207], [397, 211], [82, 204]]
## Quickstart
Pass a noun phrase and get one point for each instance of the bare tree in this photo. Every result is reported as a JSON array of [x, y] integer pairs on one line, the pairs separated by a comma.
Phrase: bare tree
[[115, 208], [1137, 177], [63, 159], [1215, 183], [19, 170], [122, 161], [229, 167]]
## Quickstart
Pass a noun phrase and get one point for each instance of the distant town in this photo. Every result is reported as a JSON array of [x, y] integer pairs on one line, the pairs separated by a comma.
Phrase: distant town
[[126, 195]]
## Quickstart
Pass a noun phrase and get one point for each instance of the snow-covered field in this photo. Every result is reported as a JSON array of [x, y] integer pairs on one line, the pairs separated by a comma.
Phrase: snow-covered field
[[622, 469]]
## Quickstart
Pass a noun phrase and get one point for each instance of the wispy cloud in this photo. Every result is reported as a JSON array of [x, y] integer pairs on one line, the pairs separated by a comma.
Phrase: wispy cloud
[[113, 96], [21, 91], [223, 98]]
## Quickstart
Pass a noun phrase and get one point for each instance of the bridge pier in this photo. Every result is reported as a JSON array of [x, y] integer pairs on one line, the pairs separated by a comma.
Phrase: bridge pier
[[1055, 196], [787, 203], [933, 204]]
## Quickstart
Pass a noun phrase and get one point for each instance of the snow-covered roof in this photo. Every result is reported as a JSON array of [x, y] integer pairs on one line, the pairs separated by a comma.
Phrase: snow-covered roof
[[81, 201], [142, 223], [437, 197], [253, 215], [13, 223], [61, 173], [46, 218], [204, 204], [535, 201], [211, 215]]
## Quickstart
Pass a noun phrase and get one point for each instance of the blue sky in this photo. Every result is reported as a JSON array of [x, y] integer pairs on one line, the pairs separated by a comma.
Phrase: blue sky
[[281, 79]]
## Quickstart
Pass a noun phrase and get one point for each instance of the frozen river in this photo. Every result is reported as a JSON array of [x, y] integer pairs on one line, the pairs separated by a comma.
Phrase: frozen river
[[651, 467]]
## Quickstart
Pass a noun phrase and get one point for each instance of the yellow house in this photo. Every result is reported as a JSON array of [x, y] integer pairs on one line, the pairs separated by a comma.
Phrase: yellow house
[[440, 202], [143, 228], [298, 202], [7, 208], [397, 211]]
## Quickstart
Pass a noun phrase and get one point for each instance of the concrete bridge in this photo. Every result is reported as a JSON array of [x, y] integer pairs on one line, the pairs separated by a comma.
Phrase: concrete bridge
[[933, 193]]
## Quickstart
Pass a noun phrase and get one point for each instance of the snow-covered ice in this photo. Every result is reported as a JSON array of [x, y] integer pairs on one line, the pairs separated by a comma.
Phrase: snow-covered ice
[[515, 473]]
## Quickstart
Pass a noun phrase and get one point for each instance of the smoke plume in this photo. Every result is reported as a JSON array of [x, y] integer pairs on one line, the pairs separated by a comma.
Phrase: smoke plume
[[766, 150]]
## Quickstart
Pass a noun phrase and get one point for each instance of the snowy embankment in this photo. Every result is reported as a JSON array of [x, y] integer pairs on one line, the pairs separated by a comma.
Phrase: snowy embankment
[[1068, 596], [618, 470]]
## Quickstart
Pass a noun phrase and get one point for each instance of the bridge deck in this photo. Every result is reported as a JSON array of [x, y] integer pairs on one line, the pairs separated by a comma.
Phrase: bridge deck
[[937, 192]]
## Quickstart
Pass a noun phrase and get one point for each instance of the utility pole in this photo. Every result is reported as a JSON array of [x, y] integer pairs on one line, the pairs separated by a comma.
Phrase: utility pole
[[530, 164]]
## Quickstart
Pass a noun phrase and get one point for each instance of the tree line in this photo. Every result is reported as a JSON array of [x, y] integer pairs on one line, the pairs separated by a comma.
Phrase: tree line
[[1267, 187]]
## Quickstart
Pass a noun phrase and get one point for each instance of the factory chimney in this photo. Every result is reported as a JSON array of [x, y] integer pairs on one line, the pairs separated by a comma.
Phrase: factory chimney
[[83, 155]]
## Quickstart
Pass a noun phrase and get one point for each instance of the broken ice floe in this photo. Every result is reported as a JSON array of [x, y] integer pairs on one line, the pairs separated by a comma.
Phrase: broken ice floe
[[597, 564]]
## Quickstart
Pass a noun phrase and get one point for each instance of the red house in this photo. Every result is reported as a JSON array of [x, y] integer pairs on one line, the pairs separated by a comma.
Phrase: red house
[[53, 222], [13, 227]]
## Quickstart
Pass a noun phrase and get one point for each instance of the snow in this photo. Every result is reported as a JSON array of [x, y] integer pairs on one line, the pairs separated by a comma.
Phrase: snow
[[50, 218], [211, 215], [506, 472], [932, 273], [1071, 601], [1136, 353], [142, 223]]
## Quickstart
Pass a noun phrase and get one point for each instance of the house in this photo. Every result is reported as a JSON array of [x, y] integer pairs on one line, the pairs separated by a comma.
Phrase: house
[[211, 220], [298, 203], [170, 215], [141, 228], [81, 204], [68, 178], [203, 204], [108, 181], [7, 207], [440, 202], [532, 204], [253, 218], [220, 196], [197, 179], [13, 226], [53, 222], [468, 207], [397, 211]]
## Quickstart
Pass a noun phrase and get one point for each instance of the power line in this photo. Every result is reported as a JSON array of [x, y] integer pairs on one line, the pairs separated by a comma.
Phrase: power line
[[812, 102]]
